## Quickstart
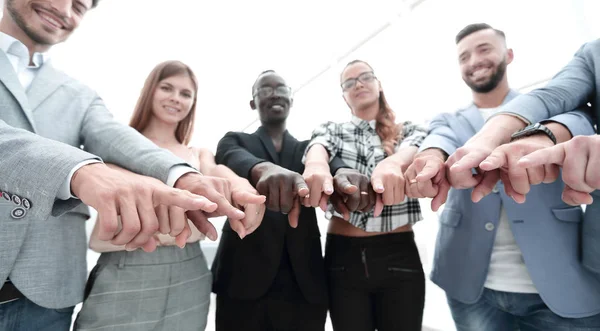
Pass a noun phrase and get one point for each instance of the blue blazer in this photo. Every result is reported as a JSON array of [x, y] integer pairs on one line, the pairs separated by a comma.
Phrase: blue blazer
[[546, 229], [573, 87]]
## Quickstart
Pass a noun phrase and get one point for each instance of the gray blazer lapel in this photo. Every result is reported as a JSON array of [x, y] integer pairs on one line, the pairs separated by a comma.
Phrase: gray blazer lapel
[[11, 81], [45, 83]]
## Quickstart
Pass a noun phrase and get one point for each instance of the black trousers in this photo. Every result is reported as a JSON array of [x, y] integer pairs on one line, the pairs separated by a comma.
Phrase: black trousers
[[283, 308], [375, 283]]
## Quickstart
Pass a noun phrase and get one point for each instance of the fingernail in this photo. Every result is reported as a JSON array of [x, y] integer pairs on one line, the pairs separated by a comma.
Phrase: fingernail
[[478, 196], [129, 249], [412, 181], [455, 165], [379, 187]]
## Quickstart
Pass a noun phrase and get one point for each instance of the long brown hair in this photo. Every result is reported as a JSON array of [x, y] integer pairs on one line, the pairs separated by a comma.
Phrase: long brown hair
[[388, 131], [143, 109]]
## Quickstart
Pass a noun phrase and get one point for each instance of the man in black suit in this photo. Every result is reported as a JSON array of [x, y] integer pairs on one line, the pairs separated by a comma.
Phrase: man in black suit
[[273, 279]]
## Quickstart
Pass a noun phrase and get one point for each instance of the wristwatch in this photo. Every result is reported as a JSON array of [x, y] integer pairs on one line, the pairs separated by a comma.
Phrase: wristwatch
[[531, 130]]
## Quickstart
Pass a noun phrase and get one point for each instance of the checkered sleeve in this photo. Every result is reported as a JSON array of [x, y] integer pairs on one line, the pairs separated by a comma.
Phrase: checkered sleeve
[[329, 135], [413, 135]]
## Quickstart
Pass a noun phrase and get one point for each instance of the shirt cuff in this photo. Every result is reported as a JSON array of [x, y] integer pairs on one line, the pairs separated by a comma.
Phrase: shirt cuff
[[177, 171], [64, 193]]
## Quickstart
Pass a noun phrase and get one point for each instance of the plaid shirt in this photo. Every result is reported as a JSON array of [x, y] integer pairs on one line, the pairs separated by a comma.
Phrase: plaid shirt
[[358, 145]]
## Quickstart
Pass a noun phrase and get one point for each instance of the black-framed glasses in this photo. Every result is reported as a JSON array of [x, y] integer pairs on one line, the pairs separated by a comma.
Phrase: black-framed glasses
[[267, 91], [365, 77]]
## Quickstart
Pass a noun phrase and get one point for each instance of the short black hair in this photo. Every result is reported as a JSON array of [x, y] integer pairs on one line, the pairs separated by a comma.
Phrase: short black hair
[[472, 28], [260, 75], [95, 3]]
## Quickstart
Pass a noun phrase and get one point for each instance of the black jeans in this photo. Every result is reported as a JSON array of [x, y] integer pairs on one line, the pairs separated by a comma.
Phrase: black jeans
[[375, 283]]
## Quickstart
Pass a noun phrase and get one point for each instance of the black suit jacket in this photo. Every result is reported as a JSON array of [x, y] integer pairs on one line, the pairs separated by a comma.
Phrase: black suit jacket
[[245, 269]]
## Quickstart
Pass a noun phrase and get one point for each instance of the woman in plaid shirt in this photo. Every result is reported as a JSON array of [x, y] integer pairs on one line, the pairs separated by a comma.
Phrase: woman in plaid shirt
[[376, 279]]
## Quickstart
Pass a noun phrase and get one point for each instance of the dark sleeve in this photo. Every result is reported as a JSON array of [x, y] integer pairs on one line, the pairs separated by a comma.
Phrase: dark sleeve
[[337, 164], [233, 155]]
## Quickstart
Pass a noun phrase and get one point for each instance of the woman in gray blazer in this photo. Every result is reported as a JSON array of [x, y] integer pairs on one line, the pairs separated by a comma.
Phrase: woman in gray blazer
[[169, 288]]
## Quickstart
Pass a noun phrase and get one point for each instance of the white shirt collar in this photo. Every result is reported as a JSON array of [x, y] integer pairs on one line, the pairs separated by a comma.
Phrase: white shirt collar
[[359, 122], [6, 42]]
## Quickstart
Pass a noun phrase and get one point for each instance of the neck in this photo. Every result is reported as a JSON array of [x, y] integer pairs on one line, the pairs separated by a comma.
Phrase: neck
[[161, 133], [9, 27], [494, 98], [274, 131], [368, 113]]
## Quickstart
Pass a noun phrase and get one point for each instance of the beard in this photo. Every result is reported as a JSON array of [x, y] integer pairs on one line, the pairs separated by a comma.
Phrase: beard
[[36, 37], [491, 82]]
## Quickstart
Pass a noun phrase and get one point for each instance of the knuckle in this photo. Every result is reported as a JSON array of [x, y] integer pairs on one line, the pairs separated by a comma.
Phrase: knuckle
[[131, 228], [151, 227], [110, 226]]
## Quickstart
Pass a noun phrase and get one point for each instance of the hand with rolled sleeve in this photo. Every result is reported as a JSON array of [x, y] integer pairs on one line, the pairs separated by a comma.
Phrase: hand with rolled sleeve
[[517, 179], [426, 177], [580, 161], [496, 132], [388, 179]]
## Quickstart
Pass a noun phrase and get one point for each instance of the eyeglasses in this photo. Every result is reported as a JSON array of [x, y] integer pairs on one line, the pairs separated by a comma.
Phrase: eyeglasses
[[365, 77], [267, 91]]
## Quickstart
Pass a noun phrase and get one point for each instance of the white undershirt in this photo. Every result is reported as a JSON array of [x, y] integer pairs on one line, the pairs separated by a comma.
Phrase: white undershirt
[[507, 271]]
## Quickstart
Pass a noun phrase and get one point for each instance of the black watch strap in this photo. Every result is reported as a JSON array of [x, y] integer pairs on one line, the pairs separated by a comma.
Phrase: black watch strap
[[533, 129]]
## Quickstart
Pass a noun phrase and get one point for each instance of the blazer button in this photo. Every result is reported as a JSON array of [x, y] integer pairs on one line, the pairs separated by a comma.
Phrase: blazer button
[[489, 226], [16, 199], [6, 196], [26, 204], [18, 213]]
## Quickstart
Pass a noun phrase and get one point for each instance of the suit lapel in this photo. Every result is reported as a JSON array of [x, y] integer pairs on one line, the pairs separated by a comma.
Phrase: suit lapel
[[287, 150], [268, 143], [45, 83], [13, 85]]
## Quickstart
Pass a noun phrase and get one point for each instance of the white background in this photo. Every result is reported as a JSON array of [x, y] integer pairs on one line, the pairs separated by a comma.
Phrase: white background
[[228, 43]]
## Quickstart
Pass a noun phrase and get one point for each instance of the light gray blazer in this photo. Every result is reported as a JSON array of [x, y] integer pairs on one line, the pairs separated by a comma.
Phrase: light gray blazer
[[42, 239]]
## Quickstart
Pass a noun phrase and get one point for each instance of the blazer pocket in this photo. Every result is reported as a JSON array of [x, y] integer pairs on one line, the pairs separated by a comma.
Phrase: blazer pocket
[[450, 217], [569, 214]]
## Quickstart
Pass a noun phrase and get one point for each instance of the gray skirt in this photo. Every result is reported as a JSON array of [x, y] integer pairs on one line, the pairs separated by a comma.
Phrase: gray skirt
[[168, 289]]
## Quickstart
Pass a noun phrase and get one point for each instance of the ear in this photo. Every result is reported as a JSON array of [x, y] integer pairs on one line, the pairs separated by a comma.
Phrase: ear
[[291, 102], [509, 55], [379, 84], [252, 104]]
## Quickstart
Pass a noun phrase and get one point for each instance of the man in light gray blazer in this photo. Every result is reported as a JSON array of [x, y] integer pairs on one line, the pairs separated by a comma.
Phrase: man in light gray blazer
[[45, 117]]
